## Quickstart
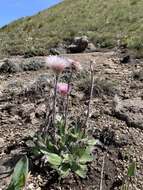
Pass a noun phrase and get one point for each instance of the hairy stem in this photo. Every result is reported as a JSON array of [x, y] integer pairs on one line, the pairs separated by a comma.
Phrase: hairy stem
[[55, 98], [67, 99], [48, 113], [91, 92]]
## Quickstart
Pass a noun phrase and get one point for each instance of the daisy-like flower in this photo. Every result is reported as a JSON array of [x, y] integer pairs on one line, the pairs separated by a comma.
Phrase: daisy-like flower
[[63, 89], [56, 63], [74, 64]]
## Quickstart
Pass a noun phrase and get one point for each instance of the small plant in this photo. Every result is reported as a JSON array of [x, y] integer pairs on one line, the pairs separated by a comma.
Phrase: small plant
[[64, 145], [131, 173], [71, 150], [20, 174]]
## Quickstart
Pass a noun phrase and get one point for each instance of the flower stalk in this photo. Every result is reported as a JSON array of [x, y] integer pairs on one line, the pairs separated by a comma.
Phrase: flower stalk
[[67, 99], [91, 93], [55, 98]]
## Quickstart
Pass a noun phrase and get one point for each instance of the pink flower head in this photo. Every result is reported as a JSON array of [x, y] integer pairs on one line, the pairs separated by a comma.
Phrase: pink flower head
[[63, 88], [74, 64], [56, 63]]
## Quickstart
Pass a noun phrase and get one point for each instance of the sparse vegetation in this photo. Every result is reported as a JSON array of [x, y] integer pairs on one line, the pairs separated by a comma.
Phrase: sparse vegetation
[[26, 103], [104, 22]]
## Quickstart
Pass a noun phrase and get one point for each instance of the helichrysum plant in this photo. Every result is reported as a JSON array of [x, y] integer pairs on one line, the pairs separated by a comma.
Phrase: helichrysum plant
[[64, 145]]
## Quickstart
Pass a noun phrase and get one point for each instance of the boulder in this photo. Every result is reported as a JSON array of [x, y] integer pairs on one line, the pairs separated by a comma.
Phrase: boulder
[[125, 58], [130, 110], [124, 54], [78, 45], [10, 66], [60, 49], [91, 48]]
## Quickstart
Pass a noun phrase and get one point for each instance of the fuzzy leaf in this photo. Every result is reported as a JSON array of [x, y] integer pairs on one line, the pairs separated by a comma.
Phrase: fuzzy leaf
[[64, 170], [66, 158], [19, 175], [81, 171], [53, 159], [86, 157], [92, 142]]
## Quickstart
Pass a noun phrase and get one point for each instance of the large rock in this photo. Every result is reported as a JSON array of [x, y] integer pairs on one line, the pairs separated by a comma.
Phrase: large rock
[[130, 110], [78, 45], [124, 55], [32, 65], [60, 49], [14, 65], [125, 58], [9, 66], [91, 48]]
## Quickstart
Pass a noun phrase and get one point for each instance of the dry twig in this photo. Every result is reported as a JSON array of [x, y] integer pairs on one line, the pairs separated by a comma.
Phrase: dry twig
[[102, 172]]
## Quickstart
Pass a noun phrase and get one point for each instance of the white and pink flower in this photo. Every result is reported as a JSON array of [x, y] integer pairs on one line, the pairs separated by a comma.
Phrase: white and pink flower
[[56, 63], [63, 89]]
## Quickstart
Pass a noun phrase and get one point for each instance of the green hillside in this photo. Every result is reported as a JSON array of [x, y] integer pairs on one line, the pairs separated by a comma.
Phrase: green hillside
[[104, 22]]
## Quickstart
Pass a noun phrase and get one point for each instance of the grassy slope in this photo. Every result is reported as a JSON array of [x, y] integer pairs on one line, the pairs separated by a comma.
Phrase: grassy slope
[[103, 21]]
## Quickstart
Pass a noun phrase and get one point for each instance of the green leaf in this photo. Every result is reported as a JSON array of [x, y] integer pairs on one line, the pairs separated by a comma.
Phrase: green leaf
[[51, 147], [81, 171], [66, 158], [86, 156], [19, 175], [35, 151], [132, 169], [53, 159], [92, 142], [64, 170], [61, 127]]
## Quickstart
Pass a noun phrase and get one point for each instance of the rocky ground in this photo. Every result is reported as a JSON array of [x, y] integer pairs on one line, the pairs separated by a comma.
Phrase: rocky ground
[[116, 118]]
